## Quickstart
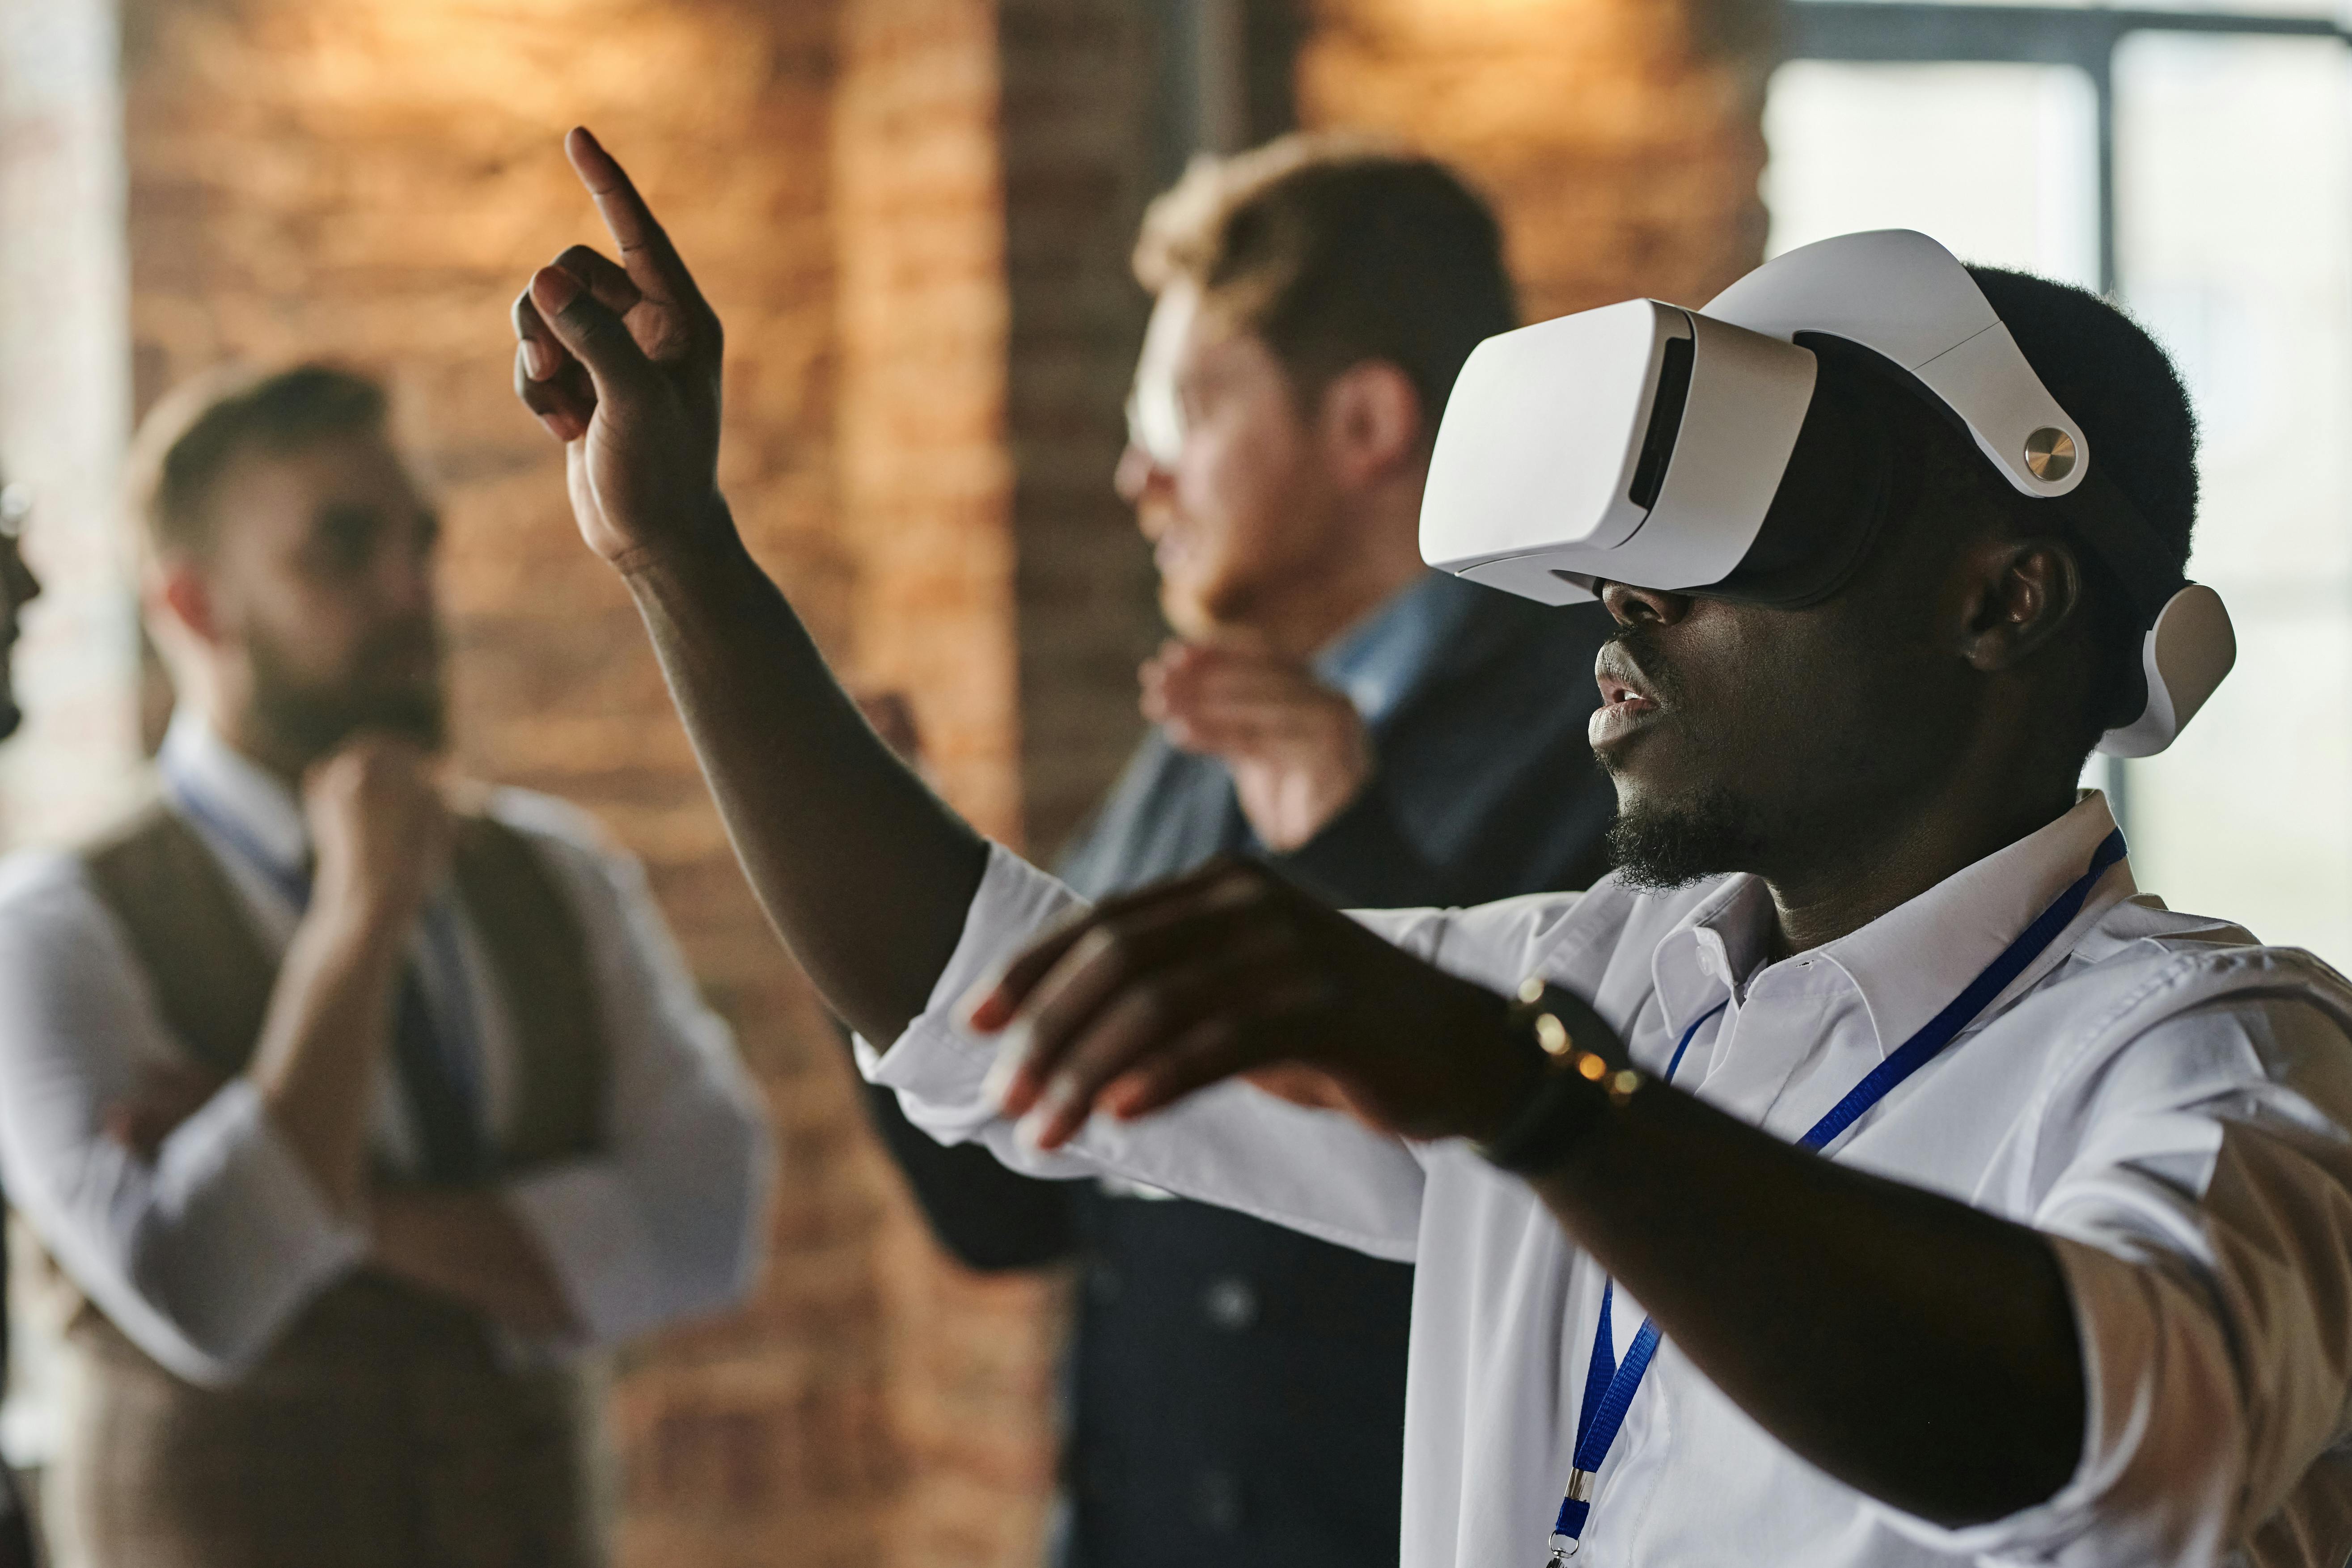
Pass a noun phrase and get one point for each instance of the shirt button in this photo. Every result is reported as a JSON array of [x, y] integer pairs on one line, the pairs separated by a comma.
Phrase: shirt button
[[1230, 1304], [1217, 1502]]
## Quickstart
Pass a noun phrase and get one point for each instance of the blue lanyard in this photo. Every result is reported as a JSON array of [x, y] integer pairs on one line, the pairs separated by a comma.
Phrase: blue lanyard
[[1608, 1384]]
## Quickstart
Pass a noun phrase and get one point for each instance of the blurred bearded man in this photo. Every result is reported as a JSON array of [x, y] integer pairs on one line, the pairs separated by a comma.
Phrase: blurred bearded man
[[357, 1107], [18, 588]]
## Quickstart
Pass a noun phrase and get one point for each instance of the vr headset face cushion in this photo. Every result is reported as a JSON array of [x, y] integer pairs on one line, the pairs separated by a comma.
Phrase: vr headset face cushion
[[1854, 467]]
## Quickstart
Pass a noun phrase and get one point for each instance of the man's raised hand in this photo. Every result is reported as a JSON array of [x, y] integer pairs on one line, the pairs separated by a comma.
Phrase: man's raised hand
[[621, 363], [1298, 750]]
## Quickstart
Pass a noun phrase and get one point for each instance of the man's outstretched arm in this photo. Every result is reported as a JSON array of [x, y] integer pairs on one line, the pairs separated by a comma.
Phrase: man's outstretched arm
[[864, 872], [1918, 1350]]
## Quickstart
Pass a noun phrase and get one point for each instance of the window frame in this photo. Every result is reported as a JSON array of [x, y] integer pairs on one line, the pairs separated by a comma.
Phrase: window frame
[[1926, 32]]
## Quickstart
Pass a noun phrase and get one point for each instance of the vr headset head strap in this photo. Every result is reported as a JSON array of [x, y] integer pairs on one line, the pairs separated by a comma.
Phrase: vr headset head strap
[[1904, 297]]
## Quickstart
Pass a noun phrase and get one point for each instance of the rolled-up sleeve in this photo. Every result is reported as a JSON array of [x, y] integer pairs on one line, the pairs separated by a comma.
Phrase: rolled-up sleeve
[[2199, 1201], [202, 1255], [669, 1220], [1317, 1171]]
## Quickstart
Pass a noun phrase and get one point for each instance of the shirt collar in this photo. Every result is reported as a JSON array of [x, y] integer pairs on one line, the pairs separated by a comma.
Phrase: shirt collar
[[1909, 963], [233, 787], [1380, 661], [1711, 950]]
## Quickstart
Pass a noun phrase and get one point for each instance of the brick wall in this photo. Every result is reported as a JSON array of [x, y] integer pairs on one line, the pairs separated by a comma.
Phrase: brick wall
[[1621, 139], [1077, 84], [928, 493]]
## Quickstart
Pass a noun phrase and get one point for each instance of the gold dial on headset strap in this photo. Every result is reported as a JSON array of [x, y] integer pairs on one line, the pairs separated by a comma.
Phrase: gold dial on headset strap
[[2050, 453]]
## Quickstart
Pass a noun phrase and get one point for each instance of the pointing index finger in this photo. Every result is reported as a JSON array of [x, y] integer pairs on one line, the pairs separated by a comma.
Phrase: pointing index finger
[[652, 261]]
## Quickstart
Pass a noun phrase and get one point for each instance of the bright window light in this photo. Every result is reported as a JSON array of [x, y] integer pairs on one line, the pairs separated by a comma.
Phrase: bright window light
[[2234, 246]]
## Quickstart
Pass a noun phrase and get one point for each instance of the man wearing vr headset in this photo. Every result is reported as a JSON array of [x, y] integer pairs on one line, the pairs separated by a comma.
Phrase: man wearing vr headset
[[1976, 1207]]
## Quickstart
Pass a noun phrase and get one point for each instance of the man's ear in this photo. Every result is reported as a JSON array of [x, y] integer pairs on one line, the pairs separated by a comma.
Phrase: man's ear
[[1370, 423], [2021, 594], [180, 590]]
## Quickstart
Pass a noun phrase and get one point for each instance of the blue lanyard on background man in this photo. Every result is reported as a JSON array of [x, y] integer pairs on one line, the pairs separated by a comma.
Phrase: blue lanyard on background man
[[1608, 1384], [438, 1058]]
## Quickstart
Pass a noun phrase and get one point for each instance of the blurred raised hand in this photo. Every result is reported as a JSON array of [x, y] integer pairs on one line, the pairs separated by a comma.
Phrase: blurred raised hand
[[621, 362], [1298, 750]]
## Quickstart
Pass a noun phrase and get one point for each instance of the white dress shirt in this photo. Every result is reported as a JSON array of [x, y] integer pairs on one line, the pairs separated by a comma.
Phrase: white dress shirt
[[204, 1255], [2166, 1100]]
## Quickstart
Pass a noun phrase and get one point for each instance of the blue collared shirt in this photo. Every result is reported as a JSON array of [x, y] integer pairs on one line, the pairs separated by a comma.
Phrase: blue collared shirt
[[1382, 658]]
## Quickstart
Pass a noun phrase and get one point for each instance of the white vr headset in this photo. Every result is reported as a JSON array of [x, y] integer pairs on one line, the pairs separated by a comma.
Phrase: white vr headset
[[1745, 451]]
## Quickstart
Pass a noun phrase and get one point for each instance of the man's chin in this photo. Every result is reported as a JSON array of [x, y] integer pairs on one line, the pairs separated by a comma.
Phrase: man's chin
[[1672, 842], [1185, 613]]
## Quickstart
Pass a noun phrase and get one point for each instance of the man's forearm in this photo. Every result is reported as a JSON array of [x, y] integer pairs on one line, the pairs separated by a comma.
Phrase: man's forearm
[[1919, 1350], [326, 1030], [864, 872], [469, 1246]]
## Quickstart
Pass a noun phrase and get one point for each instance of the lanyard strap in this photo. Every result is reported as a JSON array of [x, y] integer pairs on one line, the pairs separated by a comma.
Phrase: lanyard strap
[[1610, 1385]]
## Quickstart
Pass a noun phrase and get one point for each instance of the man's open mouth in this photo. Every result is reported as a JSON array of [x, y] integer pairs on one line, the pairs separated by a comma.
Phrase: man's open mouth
[[1626, 703]]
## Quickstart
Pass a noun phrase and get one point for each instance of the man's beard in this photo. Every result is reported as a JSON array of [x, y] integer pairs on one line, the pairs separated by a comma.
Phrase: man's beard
[[1669, 844], [313, 719]]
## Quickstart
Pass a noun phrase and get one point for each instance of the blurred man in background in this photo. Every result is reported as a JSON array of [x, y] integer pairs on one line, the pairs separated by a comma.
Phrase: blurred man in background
[[19, 587], [356, 1106], [1385, 734]]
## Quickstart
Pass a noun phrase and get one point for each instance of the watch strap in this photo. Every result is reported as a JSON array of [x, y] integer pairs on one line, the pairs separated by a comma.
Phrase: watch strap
[[1588, 1070]]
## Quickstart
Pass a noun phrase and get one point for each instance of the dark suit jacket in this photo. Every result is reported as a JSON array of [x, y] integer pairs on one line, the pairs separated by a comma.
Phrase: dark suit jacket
[[1237, 1389]]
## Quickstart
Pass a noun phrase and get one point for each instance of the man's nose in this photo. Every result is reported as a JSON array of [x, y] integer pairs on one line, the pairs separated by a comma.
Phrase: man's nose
[[406, 579], [1634, 607], [1136, 473]]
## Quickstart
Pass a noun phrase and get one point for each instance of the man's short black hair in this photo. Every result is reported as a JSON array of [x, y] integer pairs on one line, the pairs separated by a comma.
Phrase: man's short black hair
[[2118, 383], [2120, 386]]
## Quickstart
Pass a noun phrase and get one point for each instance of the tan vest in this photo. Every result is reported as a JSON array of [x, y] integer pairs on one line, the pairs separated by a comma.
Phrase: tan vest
[[384, 1430]]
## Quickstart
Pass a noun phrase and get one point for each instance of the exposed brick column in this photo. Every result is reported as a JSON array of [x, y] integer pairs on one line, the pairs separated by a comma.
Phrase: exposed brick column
[[927, 506], [925, 489], [1621, 138], [1075, 135]]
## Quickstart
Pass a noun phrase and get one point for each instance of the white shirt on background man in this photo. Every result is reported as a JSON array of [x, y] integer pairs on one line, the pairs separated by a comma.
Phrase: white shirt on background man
[[2166, 1100], [205, 1254]]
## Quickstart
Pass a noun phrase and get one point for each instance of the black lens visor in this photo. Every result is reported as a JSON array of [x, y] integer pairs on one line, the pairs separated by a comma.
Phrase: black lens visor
[[1850, 469]]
